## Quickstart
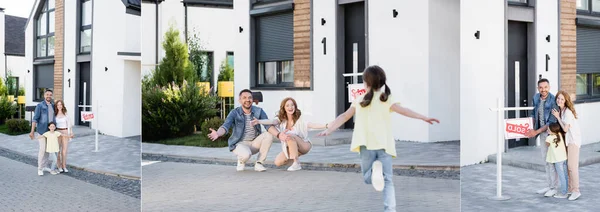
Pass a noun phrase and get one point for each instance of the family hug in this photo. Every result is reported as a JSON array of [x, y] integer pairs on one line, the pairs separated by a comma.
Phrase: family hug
[[555, 122], [52, 126], [372, 136]]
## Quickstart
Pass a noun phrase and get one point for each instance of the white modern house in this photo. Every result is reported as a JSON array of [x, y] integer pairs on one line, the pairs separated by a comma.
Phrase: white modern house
[[448, 59], [507, 46], [282, 49], [12, 48], [89, 53]]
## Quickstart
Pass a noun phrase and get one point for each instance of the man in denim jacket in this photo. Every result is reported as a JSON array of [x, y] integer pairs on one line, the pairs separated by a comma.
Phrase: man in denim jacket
[[44, 114], [247, 140], [543, 103]]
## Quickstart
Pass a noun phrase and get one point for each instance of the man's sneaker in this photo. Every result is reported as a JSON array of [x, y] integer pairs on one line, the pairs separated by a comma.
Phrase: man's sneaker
[[294, 167], [377, 176], [46, 169], [550, 193], [259, 167], [240, 166], [574, 196], [60, 170], [560, 196], [543, 191], [54, 172], [66, 171], [40, 173]]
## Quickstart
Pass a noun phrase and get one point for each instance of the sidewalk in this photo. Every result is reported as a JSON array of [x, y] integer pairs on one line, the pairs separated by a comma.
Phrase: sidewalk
[[530, 157], [411, 155], [115, 156]]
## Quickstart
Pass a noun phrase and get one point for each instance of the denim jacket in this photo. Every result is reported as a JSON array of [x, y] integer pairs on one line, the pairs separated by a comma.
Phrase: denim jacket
[[237, 120], [41, 117], [548, 106]]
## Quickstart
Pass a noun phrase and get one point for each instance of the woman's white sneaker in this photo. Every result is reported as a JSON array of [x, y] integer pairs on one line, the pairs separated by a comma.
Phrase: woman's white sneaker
[[294, 167], [259, 167], [574, 196], [66, 171], [377, 176]]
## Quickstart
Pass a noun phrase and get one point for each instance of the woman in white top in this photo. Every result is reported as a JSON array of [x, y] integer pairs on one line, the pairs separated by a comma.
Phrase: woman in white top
[[291, 122], [63, 126], [567, 118]]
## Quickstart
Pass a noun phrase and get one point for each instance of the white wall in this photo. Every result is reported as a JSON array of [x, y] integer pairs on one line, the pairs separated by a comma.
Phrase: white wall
[[133, 33], [16, 66], [242, 48], [588, 115], [2, 47], [69, 59], [401, 47], [482, 63], [29, 53], [546, 22], [132, 99], [216, 28], [444, 69], [148, 38]]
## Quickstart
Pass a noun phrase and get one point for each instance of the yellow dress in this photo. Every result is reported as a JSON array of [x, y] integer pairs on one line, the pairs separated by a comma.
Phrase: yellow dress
[[372, 124]]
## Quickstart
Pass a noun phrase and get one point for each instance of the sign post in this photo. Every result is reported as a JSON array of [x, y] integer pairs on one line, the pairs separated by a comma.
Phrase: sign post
[[507, 129]]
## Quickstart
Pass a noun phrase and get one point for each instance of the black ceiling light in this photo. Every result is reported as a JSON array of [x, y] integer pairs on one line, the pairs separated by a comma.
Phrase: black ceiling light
[[395, 13], [477, 34], [241, 29], [105, 68], [323, 21], [69, 71], [548, 38]]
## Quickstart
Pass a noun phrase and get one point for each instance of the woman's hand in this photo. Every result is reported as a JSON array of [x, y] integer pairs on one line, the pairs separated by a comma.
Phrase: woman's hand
[[556, 113], [254, 122]]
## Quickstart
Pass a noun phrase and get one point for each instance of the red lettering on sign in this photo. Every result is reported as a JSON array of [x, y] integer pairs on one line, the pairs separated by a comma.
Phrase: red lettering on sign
[[518, 129], [358, 92], [88, 116]]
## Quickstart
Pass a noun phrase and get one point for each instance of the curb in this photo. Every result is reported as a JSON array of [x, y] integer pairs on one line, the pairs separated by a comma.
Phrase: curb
[[80, 168], [539, 167], [213, 160]]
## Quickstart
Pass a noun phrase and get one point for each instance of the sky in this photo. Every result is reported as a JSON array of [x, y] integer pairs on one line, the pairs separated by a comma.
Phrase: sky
[[20, 8]]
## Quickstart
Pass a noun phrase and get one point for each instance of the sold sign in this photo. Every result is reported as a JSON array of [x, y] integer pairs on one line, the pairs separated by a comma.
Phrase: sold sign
[[355, 90], [517, 128], [87, 116]]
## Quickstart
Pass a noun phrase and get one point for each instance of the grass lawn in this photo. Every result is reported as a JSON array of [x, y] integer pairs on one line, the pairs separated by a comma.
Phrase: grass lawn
[[4, 130], [200, 140]]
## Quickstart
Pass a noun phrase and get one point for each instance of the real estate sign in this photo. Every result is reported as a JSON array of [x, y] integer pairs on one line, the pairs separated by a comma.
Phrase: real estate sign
[[355, 90], [87, 116], [516, 128]]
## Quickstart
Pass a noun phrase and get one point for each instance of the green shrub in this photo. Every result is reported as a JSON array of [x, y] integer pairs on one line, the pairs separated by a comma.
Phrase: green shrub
[[214, 123], [7, 109], [21, 91], [3, 88], [173, 111], [18, 126]]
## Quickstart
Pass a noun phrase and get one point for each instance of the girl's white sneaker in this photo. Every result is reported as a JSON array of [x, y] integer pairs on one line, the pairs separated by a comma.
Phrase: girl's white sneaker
[[377, 176]]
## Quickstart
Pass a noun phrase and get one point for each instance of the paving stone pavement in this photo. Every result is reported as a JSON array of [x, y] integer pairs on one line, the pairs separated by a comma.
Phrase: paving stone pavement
[[199, 187], [115, 155], [530, 157], [478, 182], [23, 190], [409, 153]]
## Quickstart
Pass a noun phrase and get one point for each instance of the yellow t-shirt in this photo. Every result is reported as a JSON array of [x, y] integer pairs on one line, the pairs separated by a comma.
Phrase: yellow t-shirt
[[556, 153], [52, 141], [372, 125]]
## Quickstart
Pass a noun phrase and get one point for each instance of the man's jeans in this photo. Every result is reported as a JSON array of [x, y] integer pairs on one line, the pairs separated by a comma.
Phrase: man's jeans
[[367, 158]]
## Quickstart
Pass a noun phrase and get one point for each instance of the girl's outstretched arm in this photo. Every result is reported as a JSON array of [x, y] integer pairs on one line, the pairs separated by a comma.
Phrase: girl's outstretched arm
[[341, 119], [411, 114]]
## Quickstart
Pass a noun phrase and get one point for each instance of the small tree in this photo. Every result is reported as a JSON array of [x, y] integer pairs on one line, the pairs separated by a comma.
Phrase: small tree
[[226, 72], [3, 89], [199, 59], [175, 66]]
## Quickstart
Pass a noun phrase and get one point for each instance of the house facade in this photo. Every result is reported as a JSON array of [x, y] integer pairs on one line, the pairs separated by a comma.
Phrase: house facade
[[12, 49], [89, 53], [448, 59]]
